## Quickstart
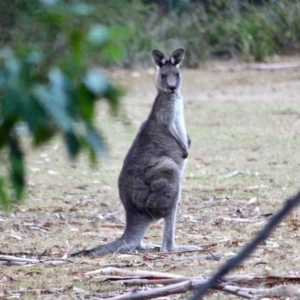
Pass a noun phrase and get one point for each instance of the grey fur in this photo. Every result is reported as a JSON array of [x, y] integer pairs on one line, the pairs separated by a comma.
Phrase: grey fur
[[150, 180]]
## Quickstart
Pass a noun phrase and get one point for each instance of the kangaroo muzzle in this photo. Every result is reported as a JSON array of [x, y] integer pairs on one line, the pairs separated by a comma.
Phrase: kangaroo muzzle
[[171, 83]]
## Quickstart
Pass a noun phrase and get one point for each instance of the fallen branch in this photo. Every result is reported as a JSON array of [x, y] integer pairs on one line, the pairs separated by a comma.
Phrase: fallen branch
[[134, 274], [120, 265], [177, 284], [15, 260], [24, 291], [177, 288]]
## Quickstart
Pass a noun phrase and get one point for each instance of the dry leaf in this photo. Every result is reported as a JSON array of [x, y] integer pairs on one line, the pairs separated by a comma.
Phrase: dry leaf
[[252, 200]]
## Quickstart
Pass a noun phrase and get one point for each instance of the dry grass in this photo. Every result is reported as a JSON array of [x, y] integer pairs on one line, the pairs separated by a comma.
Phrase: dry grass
[[246, 121]]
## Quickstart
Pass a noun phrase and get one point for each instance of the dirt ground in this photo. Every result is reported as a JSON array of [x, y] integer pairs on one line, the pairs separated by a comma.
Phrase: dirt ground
[[243, 163]]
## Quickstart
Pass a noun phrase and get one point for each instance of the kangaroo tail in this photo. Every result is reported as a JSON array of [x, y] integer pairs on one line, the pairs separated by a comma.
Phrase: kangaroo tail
[[136, 226], [120, 246]]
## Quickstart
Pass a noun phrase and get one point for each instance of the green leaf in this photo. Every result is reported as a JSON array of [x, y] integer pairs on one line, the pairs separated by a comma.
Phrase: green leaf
[[72, 143], [2, 77], [53, 17], [12, 66], [95, 82], [113, 52], [43, 133], [49, 3], [80, 9], [55, 99], [113, 95], [52, 107], [5, 54], [86, 101], [119, 33], [76, 38], [34, 57], [17, 167], [11, 102], [94, 140], [97, 35], [3, 197], [5, 129]]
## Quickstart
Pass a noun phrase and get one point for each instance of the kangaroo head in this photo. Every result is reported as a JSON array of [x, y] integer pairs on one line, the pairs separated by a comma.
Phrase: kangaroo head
[[168, 78]]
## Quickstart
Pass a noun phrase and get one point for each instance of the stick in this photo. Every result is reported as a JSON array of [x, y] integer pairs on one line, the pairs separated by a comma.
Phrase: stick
[[179, 288], [135, 274], [142, 281], [14, 260]]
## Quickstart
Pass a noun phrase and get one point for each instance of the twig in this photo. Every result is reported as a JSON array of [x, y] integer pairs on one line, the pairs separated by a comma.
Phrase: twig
[[179, 288], [14, 260], [24, 291], [9, 258], [211, 256], [234, 173], [155, 281], [277, 291], [182, 285], [176, 284], [236, 290], [119, 265], [135, 274], [231, 263], [141, 281]]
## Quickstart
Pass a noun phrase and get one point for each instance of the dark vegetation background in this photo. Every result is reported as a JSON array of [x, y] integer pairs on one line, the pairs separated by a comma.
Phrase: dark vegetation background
[[223, 29]]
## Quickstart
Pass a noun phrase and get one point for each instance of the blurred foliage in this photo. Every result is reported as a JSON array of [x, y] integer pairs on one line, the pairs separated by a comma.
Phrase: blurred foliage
[[47, 85], [224, 31]]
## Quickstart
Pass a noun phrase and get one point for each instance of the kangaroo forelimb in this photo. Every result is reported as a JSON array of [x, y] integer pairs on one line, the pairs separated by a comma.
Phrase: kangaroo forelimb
[[180, 141]]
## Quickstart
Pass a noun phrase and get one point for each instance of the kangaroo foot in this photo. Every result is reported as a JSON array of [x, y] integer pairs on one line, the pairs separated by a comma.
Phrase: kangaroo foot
[[118, 246], [177, 248]]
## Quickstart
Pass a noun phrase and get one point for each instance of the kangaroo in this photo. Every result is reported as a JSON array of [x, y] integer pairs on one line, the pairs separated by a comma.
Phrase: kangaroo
[[150, 179]]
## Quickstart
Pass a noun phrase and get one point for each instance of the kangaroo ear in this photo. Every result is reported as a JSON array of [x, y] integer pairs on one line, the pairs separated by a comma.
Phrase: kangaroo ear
[[177, 57], [158, 58]]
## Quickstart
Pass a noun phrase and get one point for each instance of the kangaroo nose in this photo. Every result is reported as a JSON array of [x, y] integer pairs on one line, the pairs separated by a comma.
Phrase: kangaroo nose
[[172, 88]]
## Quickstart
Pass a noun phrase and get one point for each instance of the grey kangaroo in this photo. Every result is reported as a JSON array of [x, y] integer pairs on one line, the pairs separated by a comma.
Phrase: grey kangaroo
[[150, 180]]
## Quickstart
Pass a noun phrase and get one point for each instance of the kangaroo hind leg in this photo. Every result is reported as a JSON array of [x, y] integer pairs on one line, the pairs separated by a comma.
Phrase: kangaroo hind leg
[[168, 242], [137, 223]]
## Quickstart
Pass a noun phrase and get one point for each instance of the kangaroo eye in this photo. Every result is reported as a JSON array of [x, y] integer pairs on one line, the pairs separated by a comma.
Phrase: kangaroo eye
[[177, 74], [163, 76]]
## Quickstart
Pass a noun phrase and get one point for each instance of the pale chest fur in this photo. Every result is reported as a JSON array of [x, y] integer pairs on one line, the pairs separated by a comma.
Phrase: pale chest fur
[[179, 121], [169, 111]]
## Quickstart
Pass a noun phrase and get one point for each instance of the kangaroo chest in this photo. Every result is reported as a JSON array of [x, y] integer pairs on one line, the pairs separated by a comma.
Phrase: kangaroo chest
[[179, 122]]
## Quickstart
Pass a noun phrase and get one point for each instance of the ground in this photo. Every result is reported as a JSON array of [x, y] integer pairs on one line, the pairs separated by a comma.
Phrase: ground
[[243, 163]]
